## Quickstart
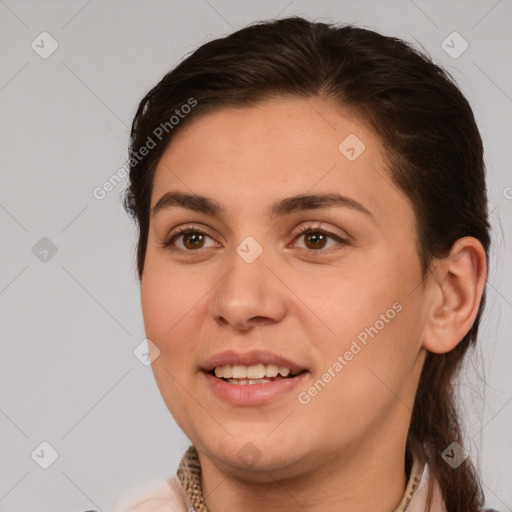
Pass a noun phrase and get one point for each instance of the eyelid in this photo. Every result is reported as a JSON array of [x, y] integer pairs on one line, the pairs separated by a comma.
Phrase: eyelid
[[187, 228], [341, 240], [320, 227], [303, 229]]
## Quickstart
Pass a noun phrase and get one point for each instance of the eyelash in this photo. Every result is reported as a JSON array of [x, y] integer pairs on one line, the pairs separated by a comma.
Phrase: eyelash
[[169, 243]]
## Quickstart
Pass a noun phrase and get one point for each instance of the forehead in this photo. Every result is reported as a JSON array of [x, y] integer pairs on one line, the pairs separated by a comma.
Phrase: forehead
[[295, 134], [276, 148], [280, 124]]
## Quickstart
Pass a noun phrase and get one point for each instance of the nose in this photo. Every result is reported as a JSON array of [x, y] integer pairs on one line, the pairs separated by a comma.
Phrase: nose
[[248, 295]]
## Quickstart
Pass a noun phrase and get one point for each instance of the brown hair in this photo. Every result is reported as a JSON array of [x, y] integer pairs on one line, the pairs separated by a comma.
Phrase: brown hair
[[434, 155]]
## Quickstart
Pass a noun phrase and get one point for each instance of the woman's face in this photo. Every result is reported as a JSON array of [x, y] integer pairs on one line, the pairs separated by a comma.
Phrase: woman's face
[[341, 303]]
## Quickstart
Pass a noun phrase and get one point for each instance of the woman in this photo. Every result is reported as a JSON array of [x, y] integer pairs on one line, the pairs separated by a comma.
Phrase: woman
[[313, 244]]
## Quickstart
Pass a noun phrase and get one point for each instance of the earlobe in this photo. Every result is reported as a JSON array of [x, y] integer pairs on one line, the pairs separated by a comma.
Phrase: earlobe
[[454, 295]]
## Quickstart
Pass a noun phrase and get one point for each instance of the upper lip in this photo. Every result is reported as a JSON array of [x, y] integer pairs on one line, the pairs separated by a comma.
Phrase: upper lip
[[250, 358]]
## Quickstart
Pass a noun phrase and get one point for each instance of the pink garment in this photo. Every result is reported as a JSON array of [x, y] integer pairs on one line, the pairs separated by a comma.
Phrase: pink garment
[[169, 496]]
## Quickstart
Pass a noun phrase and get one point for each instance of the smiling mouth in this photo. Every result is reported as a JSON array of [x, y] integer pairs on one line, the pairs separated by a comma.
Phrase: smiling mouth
[[255, 374]]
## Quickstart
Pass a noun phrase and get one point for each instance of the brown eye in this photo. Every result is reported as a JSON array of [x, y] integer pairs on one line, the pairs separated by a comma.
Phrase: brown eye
[[191, 240], [316, 239]]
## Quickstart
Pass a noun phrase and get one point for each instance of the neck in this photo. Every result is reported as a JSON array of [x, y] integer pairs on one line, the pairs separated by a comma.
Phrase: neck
[[371, 477]]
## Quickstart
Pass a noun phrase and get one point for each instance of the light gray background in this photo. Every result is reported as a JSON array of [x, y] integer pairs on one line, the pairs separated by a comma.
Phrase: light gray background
[[69, 325]]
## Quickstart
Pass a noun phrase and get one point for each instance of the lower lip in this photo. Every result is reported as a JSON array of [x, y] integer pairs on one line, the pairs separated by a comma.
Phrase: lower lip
[[252, 394]]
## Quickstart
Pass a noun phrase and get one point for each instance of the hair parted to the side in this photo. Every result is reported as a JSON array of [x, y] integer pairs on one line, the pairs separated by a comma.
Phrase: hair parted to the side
[[434, 155]]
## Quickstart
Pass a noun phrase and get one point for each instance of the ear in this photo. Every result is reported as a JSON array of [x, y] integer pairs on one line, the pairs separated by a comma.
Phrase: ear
[[454, 291]]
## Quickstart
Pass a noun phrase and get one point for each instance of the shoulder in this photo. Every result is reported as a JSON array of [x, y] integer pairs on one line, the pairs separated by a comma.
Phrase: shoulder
[[153, 496]]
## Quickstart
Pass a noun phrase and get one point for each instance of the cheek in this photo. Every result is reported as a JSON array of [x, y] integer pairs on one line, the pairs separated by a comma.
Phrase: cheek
[[372, 321], [162, 309], [174, 304], [350, 298], [166, 297], [362, 374], [157, 308]]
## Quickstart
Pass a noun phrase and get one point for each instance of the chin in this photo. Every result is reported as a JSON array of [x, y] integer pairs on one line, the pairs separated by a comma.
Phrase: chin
[[254, 457]]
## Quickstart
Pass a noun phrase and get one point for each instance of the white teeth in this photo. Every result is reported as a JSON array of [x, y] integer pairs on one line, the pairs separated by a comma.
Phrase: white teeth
[[258, 381], [225, 372], [247, 381], [284, 371], [257, 371], [239, 372], [271, 370]]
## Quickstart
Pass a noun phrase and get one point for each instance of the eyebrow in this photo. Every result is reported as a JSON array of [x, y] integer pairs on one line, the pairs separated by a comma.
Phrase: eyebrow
[[286, 206]]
